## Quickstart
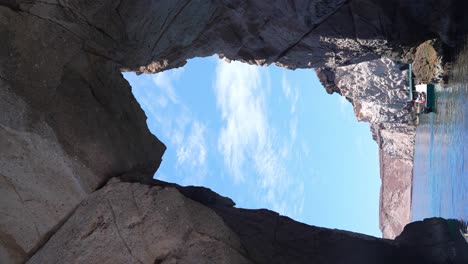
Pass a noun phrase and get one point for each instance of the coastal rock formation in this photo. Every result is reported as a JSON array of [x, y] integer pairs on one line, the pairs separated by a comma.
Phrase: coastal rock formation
[[378, 90], [68, 123], [135, 223], [434, 237], [290, 33], [427, 63], [396, 143], [68, 120]]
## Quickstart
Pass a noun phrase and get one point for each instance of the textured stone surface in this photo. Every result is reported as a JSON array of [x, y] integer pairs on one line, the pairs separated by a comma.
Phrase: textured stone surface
[[395, 194], [292, 34], [68, 120], [427, 65], [39, 182], [396, 148], [134, 223], [438, 239], [279, 239], [378, 90]]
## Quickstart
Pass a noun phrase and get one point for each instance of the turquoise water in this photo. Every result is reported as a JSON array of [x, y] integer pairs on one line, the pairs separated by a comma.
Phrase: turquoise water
[[440, 180]]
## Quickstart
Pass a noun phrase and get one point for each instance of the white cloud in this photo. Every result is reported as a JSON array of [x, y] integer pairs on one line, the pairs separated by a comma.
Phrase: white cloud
[[251, 148], [292, 97], [161, 101], [170, 119], [240, 99], [286, 86], [290, 92], [192, 151], [164, 81], [344, 104], [293, 129], [247, 141]]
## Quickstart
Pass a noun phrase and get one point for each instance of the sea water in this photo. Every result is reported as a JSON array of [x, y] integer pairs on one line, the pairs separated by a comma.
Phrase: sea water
[[440, 174]]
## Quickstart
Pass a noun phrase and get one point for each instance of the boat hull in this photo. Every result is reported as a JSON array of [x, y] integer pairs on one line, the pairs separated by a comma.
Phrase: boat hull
[[431, 97]]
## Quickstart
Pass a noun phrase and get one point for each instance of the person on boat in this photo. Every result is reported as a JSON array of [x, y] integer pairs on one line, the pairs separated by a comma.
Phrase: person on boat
[[427, 110], [421, 98]]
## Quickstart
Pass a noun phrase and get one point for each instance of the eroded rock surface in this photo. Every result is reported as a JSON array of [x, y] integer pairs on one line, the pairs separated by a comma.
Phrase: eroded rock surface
[[135, 223], [427, 64], [378, 90], [68, 122], [438, 239]]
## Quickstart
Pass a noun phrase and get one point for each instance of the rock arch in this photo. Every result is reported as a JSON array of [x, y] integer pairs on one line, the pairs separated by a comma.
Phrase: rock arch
[[68, 120]]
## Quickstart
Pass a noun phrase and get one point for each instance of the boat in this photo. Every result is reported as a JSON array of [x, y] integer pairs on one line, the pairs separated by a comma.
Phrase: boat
[[422, 95], [427, 102]]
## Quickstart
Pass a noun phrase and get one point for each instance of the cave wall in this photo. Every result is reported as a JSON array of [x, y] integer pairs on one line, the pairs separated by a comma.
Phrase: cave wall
[[156, 224], [68, 120]]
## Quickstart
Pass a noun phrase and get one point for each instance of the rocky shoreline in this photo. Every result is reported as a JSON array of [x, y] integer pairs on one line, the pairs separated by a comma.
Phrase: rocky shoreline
[[378, 91]]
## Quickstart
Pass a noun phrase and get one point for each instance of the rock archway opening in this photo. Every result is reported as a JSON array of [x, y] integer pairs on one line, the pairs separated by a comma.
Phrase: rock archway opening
[[267, 137], [70, 128]]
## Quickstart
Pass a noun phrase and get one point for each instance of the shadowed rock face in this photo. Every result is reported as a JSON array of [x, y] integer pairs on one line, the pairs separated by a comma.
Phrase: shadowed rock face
[[292, 34], [135, 223], [68, 120]]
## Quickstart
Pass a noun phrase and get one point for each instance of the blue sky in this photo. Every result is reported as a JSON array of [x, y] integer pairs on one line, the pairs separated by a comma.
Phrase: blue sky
[[265, 137]]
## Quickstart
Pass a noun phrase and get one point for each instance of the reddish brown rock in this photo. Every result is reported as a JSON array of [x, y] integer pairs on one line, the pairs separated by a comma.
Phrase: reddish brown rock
[[395, 194]]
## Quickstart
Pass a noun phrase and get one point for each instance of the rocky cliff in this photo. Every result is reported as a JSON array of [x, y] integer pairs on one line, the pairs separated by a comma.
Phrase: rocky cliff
[[134, 223], [378, 90], [69, 123]]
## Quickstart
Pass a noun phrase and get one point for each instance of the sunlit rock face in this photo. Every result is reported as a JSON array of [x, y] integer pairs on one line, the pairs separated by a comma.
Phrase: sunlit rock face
[[134, 223], [378, 90], [396, 143], [68, 120]]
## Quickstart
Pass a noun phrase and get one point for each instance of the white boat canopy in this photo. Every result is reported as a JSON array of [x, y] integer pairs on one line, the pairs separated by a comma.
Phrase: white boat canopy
[[421, 88]]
